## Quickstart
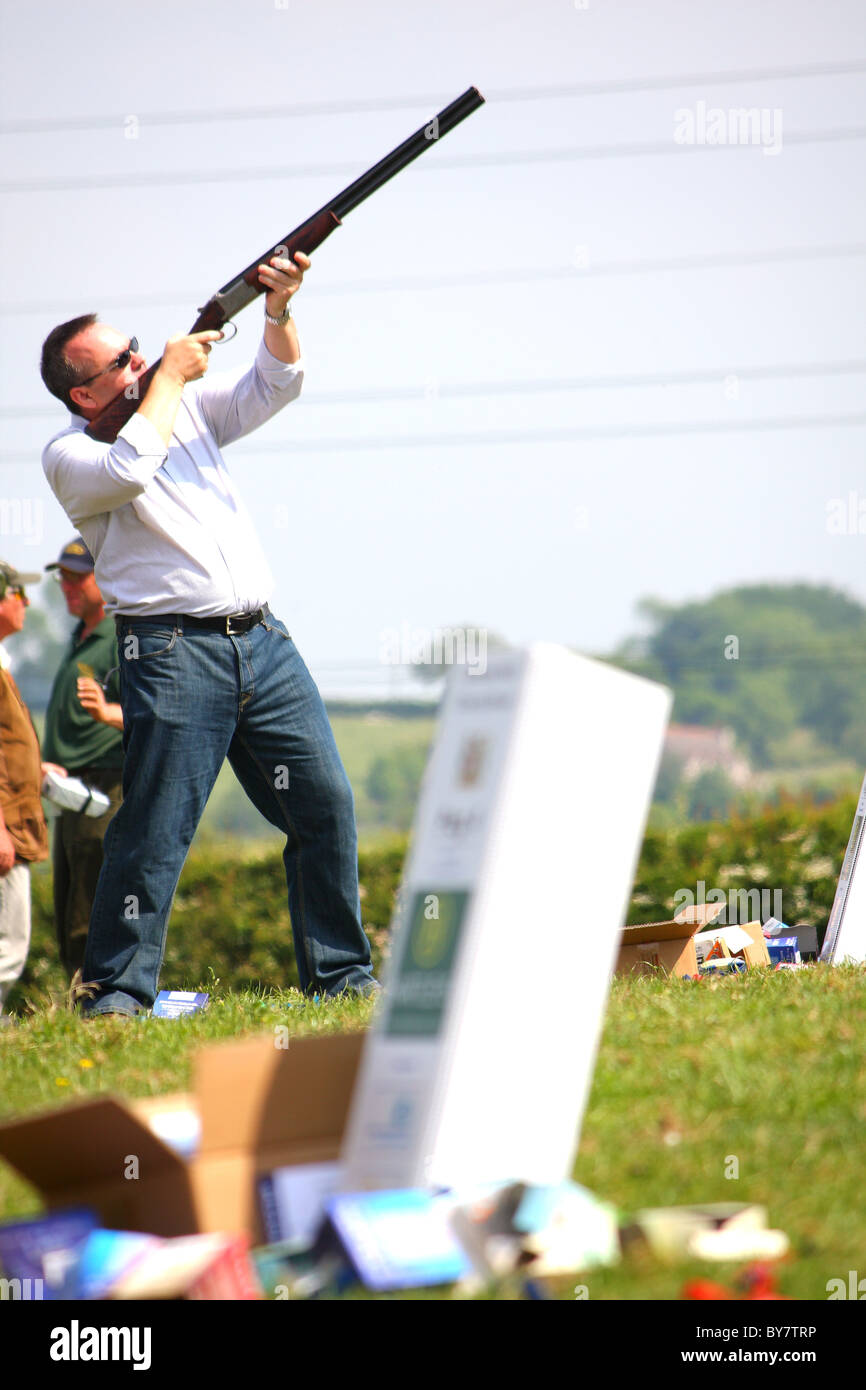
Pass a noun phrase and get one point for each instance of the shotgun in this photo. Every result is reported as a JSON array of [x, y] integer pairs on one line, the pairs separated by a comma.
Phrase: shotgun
[[242, 289]]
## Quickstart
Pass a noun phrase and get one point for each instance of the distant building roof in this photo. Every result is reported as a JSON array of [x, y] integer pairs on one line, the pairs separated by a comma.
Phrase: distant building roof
[[701, 747]]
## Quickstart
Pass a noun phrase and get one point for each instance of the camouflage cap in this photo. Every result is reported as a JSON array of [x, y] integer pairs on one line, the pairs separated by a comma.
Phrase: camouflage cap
[[11, 578]]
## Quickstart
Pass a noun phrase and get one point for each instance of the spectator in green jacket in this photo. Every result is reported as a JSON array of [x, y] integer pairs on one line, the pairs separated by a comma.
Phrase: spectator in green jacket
[[83, 734]]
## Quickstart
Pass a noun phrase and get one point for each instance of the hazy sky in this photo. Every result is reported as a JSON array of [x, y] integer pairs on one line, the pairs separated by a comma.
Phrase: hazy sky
[[559, 236]]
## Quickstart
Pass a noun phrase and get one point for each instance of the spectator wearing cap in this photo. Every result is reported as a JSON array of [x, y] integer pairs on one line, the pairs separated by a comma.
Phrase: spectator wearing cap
[[83, 734], [23, 836]]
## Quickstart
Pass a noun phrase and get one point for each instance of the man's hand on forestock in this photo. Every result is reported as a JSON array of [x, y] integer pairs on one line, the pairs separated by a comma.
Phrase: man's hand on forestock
[[283, 279]]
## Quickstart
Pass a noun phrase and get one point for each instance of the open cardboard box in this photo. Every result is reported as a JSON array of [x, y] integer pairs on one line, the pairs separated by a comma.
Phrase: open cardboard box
[[746, 943], [261, 1107], [667, 946]]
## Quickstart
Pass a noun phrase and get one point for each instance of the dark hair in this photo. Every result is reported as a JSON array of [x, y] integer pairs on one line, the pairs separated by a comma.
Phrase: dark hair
[[58, 373]]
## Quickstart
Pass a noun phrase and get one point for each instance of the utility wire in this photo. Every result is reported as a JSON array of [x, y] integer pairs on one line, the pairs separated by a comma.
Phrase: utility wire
[[472, 279], [359, 106], [501, 159], [496, 438], [558, 436], [622, 381]]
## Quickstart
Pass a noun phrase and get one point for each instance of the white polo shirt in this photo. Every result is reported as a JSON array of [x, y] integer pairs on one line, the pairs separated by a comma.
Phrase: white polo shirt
[[165, 525]]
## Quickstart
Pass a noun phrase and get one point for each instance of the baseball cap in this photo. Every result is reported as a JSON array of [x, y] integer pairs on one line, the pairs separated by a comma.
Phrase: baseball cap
[[10, 578], [74, 556]]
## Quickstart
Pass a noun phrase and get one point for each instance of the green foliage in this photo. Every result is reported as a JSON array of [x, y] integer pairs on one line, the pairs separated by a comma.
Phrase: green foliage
[[392, 785], [797, 660], [711, 795], [795, 847]]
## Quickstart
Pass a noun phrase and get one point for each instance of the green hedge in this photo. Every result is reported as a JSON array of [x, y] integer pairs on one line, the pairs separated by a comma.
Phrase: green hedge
[[230, 920], [230, 917], [795, 848]]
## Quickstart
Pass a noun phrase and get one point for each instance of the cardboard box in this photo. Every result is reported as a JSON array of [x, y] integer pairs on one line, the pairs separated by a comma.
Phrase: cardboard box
[[667, 946], [261, 1107], [746, 943]]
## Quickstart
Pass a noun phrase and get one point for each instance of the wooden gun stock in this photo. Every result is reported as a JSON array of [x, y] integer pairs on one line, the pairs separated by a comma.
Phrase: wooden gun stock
[[242, 289]]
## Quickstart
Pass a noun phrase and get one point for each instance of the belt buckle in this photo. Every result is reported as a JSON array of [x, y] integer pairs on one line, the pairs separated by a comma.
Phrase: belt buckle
[[246, 620]]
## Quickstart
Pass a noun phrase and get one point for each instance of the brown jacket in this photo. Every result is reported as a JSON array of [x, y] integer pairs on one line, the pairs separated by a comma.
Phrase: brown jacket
[[20, 775]]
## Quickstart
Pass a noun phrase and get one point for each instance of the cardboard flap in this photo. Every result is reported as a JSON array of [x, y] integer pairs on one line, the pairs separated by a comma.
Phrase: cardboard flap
[[656, 931], [734, 937], [84, 1143], [256, 1096], [701, 915], [685, 924]]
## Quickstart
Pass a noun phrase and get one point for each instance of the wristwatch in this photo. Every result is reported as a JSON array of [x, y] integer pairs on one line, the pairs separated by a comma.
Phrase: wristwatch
[[284, 316]]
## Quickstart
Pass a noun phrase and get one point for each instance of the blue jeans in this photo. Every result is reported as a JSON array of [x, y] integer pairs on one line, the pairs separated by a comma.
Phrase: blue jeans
[[192, 697]]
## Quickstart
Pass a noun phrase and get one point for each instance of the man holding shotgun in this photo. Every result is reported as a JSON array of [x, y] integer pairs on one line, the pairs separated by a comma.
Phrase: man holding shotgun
[[206, 670]]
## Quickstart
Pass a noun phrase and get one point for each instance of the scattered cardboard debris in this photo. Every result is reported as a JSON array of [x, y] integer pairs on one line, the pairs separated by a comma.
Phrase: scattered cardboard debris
[[668, 946]]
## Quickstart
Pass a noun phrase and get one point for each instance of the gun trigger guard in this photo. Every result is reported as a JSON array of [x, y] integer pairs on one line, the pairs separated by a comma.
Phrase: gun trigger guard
[[219, 342]]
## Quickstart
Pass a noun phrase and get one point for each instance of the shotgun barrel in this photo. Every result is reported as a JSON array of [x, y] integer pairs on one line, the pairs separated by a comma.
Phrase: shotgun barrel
[[242, 289]]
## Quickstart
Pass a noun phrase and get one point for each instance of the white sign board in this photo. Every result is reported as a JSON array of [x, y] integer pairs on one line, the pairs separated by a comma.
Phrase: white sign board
[[845, 938], [515, 890]]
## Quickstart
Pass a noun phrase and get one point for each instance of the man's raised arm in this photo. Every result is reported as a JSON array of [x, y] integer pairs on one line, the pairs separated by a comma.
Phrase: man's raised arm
[[88, 477], [235, 404]]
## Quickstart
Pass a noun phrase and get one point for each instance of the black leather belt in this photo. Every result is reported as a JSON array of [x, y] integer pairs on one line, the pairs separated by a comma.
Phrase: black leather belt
[[232, 624]]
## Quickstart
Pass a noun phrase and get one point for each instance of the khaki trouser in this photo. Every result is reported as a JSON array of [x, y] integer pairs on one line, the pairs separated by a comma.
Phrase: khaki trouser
[[76, 862], [14, 926]]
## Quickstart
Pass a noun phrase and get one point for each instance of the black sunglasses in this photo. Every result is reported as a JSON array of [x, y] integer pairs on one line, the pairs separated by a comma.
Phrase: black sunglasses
[[120, 361]]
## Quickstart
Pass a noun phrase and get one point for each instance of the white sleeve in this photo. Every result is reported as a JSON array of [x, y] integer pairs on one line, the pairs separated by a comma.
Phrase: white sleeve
[[87, 477], [234, 403]]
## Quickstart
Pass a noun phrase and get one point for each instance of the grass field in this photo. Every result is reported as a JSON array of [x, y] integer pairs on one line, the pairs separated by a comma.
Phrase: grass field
[[765, 1068]]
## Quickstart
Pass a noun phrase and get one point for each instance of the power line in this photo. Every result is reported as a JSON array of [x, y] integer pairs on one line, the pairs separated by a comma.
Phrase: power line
[[543, 385], [501, 159], [472, 279], [621, 381], [362, 106], [496, 438]]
